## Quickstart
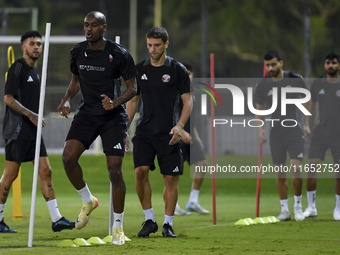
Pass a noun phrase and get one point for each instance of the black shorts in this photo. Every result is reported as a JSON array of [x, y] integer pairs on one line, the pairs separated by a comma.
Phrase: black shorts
[[192, 152], [291, 142], [169, 157], [320, 144], [111, 128], [23, 150]]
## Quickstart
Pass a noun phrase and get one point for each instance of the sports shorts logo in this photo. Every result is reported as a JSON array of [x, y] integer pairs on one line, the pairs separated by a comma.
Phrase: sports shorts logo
[[166, 78], [176, 170], [117, 146]]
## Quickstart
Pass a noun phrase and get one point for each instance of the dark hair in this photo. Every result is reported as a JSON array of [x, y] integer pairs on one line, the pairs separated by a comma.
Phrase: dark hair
[[332, 56], [188, 67], [29, 34], [158, 32], [272, 54]]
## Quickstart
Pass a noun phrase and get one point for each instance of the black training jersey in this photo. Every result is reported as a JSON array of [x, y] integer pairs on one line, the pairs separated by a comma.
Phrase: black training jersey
[[328, 96], [264, 95], [99, 71], [24, 85], [160, 89]]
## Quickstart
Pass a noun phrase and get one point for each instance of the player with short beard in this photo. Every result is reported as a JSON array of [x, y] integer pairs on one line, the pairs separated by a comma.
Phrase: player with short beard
[[283, 140], [326, 134], [22, 92]]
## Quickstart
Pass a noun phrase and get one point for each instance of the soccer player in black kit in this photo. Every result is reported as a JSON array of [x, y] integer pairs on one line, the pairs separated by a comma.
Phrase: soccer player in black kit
[[162, 83], [22, 93], [283, 140], [96, 64], [326, 134]]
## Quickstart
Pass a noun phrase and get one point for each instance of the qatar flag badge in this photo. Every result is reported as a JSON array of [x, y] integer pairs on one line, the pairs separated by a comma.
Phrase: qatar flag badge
[[166, 78], [110, 57]]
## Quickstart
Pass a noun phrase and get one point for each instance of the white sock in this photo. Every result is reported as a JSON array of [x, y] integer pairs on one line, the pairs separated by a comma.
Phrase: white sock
[[85, 194], [149, 214], [118, 220], [194, 196], [168, 219], [311, 198], [297, 201], [284, 205], [54, 211], [2, 207], [337, 203]]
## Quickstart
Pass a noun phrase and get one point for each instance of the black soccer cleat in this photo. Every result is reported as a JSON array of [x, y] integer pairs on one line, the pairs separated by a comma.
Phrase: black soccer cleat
[[62, 224], [168, 231], [5, 229], [149, 227]]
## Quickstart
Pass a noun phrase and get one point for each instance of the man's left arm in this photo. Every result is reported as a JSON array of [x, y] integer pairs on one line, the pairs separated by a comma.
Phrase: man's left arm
[[176, 131], [131, 90]]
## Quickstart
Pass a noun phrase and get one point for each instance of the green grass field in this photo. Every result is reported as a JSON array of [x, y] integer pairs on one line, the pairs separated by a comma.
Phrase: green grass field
[[196, 234]]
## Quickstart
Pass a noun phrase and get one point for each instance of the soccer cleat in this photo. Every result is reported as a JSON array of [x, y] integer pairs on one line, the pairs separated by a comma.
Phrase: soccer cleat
[[310, 212], [283, 216], [83, 217], [168, 231], [180, 211], [62, 224], [5, 229], [336, 215], [118, 236], [196, 207], [298, 213], [149, 227]]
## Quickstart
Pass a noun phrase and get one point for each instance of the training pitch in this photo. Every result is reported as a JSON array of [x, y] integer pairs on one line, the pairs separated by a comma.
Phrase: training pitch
[[196, 234]]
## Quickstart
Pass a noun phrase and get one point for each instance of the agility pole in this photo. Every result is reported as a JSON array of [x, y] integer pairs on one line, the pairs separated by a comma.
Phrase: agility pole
[[39, 131]]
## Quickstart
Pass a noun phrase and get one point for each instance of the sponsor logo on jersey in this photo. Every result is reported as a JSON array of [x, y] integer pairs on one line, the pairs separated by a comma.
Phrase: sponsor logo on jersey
[[321, 92], [110, 57], [92, 68], [337, 93], [166, 78], [30, 79], [144, 77]]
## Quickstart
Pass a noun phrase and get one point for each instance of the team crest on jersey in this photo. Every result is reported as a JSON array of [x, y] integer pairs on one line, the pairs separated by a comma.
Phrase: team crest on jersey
[[166, 78], [110, 57], [337, 93]]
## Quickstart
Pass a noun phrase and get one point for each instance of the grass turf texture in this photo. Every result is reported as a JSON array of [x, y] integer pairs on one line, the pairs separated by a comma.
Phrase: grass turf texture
[[196, 234]]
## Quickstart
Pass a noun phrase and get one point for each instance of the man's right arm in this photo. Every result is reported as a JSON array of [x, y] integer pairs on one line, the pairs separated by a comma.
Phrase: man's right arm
[[73, 88], [14, 104]]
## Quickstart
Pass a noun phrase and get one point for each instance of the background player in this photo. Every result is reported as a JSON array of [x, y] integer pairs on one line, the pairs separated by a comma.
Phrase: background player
[[326, 134], [197, 157], [95, 65], [22, 92], [283, 139], [162, 83]]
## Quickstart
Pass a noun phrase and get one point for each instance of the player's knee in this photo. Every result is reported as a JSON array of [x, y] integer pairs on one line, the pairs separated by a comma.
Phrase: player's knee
[[141, 174]]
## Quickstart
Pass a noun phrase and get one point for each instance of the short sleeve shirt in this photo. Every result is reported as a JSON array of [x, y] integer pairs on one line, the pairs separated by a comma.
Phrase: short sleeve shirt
[[160, 89], [100, 71], [24, 85]]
